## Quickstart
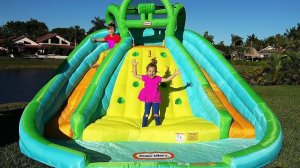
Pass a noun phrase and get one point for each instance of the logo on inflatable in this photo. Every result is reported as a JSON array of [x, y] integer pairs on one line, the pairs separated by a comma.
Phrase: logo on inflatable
[[153, 155], [147, 23]]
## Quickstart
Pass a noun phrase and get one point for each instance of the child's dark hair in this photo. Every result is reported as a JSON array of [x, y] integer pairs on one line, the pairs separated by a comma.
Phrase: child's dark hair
[[111, 25], [152, 64]]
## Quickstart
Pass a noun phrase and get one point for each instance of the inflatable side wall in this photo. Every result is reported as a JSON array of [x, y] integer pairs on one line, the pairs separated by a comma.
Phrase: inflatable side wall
[[245, 100], [48, 101]]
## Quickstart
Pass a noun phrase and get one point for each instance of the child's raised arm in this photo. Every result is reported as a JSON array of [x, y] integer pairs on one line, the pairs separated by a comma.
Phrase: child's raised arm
[[134, 73], [177, 72]]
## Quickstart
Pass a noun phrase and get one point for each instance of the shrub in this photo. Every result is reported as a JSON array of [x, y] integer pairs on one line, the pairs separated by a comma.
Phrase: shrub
[[280, 68]]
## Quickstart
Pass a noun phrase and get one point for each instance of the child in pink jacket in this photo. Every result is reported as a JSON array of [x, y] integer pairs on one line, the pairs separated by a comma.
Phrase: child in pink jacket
[[150, 93]]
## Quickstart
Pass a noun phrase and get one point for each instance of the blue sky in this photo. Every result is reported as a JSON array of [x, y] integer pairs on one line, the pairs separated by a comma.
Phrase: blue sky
[[221, 18]]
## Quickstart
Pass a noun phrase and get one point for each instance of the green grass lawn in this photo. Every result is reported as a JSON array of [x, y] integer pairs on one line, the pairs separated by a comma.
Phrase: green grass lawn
[[285, 103], [21, 63], [283, 100], [244, 69]]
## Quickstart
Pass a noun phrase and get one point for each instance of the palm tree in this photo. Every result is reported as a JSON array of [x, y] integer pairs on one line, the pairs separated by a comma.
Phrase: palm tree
[[14, 28], [278, 69], [253, 41], [277, 41], [210, 38], [293, 38], [97, 25], [237, 47], [236, 40], [35, 29], [9, 44], [78, 34]]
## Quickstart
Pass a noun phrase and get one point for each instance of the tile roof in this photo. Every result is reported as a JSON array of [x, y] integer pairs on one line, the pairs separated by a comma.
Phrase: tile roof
[[45, 37], [14, 39], [40, 39]]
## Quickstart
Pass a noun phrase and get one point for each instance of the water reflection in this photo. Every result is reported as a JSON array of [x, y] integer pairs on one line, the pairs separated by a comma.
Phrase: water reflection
[[19, 85]]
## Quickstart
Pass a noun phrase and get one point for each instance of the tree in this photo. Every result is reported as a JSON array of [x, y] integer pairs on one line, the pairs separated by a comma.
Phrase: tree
[[236, 47], [35, 29], [1, 32], [279, 69], [79, 34], [236, 40], [210, 38], [253, 41], [222, 47], [32, 29], [293, 38], [97, 25], [14, 28], [278, 41], [64, 32], [74, 34]]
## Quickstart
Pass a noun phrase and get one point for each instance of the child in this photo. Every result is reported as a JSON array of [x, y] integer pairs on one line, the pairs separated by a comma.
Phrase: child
[[111, 38], [150, 93]]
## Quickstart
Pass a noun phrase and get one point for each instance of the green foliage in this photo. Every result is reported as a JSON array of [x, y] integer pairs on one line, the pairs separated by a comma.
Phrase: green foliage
[[277, 41], [13, 28], [236, 40], [222, 47], [35, 29], [97, 25], [293, 38], [253, 41], [209, 37], [289, 41], [74, 34], [280, 68], [1, 32], [32, 29], [21, 63], [248, 63]]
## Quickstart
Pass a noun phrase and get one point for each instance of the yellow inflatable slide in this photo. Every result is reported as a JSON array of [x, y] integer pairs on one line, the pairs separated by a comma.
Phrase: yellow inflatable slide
[[123, 119], [60, 125]]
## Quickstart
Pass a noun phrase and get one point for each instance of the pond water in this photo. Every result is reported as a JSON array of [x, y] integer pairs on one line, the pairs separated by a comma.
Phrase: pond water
[[21, 85]]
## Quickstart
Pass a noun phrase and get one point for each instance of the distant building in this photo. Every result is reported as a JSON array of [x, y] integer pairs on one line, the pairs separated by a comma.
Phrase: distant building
[[19, 44], [268, 51], [53, 40], [235, 55], [3, 51], [48, 44], [25, 41], [253, 54], [26, 45]]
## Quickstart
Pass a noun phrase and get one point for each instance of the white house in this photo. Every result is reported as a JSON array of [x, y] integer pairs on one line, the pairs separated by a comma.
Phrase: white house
[[268, 51], [24, 40], [43, 45], [53, 39]]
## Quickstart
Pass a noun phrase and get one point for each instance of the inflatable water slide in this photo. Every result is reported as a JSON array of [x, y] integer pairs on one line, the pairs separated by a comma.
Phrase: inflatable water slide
[[88, 114]]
